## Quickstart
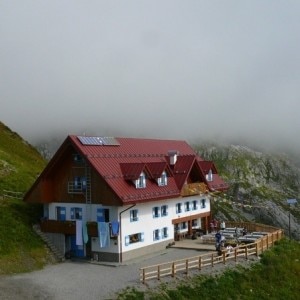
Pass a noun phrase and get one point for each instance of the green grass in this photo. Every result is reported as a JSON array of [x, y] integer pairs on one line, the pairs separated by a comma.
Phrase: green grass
[[21, 249], [20, 163], [275, 277]]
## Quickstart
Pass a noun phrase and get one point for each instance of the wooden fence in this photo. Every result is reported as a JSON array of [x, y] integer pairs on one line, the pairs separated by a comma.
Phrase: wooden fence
[[210, 259], [12, 194]]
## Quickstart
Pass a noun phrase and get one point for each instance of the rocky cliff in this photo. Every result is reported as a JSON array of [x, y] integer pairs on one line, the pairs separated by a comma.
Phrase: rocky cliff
[[260, 185]]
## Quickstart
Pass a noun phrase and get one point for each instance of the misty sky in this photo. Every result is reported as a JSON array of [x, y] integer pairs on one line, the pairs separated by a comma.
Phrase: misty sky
[[158, 69]]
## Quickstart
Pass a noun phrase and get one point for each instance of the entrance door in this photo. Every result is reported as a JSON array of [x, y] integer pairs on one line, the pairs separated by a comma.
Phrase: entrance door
[[77, 251]]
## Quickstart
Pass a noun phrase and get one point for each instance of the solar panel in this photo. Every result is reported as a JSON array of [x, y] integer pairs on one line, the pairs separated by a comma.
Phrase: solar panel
[[98, 140]]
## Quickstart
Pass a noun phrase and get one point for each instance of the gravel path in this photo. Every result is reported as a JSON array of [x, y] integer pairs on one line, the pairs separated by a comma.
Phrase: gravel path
[[81, 280]]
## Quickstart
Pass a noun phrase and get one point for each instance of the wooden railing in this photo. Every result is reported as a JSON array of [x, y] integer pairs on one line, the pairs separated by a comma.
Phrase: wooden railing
[[210, 259], [193, 189]]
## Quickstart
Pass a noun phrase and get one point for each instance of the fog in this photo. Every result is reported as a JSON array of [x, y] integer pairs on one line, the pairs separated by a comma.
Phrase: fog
[[219, 70]]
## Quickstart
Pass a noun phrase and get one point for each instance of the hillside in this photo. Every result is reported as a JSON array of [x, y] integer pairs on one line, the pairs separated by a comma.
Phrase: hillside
[[260, 184], [20, 249], [20, 163]]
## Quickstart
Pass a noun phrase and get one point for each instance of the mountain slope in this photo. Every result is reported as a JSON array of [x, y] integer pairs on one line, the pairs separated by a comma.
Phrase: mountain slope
[[20, 163], [20, 248], [260, 184]]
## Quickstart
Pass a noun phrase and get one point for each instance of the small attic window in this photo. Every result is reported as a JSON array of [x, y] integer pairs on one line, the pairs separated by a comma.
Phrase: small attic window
[[140, 183], [77, 158], [163, 179], [209, 175]]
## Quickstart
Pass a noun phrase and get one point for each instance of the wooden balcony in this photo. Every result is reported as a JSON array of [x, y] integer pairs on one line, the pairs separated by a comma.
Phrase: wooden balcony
[[66, 227], [194, 189]]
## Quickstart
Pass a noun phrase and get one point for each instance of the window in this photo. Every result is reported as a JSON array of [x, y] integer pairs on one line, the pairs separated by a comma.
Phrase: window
[[187, 206], [77, 183], [77, 158], [203, 203], [178, 208], [164, 233], [194, 223], [183, 226], [134, 238], [156, 235], [103, 215], [141, 181], [76, 213], [155, 212], [195, 204], [209, 176], [164, 210], [60, 213], [134, 215], [162, 181]]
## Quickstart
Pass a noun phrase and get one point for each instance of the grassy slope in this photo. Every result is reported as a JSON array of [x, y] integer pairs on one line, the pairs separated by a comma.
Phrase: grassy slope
[[20, 249], [20, 163]]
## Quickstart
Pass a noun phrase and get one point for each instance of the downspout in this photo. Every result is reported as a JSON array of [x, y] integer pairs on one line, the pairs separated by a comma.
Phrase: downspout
[[121, 250]]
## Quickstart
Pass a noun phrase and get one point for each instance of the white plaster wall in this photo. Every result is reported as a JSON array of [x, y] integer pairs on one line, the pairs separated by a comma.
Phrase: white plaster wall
[[147, 224]]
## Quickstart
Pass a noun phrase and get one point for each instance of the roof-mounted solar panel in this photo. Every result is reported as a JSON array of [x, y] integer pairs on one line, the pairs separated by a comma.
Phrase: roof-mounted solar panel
[[98, 141]]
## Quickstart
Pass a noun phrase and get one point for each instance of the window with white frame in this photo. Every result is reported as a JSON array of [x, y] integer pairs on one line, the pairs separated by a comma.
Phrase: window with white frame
[[164, 233], [179, 208], [187, 206], [195, 205], [134, 215], [195, 223], [203, 203], [183, 226], [76, 213], [156, 212], [156, 235], [164, 210], [141, 181], [163, 179], [134, 238]]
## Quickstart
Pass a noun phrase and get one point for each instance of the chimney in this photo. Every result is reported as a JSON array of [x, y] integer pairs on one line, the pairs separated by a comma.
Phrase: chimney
[[173, 156]]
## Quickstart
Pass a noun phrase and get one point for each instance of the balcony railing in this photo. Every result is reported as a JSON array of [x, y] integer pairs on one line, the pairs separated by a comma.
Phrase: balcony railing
[[75, 187], [193, 189], [66, 227]]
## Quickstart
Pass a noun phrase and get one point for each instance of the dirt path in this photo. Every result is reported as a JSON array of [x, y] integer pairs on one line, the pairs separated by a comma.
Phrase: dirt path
[[81, 280]]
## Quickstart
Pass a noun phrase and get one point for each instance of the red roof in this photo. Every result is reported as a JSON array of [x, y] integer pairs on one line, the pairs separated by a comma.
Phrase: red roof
[[120, 161]]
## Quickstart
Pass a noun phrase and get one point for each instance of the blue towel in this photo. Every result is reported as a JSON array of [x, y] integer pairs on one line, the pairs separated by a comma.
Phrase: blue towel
[[79, 241], [85, 233], [114, 228], [103, 232]]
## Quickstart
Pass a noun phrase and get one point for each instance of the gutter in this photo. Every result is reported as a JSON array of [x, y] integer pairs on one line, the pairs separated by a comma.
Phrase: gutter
[[121, 250]]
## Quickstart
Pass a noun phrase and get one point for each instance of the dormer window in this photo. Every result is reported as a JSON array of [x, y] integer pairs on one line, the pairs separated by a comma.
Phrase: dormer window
[[209, 176], [163, 180], [141, 181]]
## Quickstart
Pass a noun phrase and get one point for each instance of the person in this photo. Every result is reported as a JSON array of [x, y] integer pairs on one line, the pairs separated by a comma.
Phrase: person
[[222, 225], [244, 231], [218, 237]]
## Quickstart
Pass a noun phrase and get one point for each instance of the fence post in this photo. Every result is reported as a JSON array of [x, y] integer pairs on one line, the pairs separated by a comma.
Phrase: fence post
[[200, 262], [158, 272], [144, 276], [224, 257], [212, 260], [246, 252], [235, 254], [173, 269], [187, 266]]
